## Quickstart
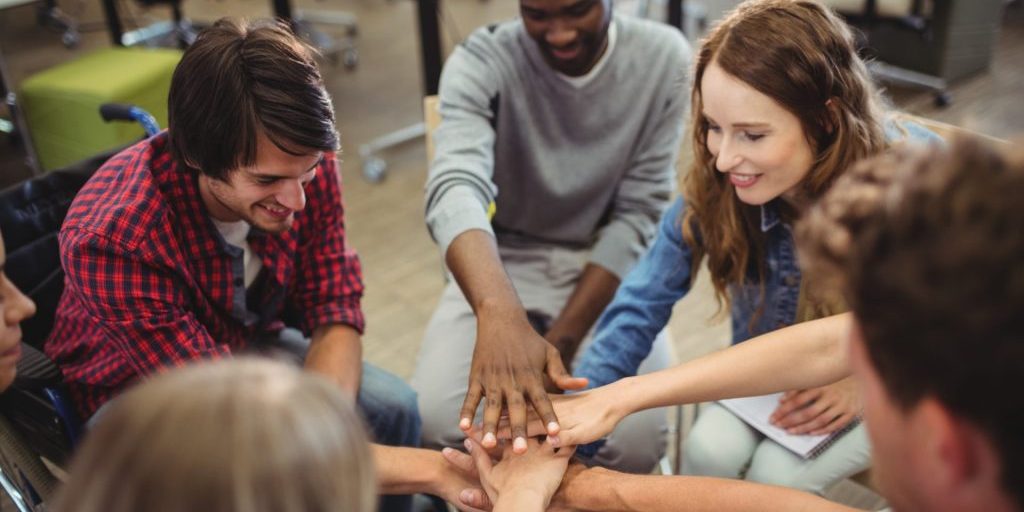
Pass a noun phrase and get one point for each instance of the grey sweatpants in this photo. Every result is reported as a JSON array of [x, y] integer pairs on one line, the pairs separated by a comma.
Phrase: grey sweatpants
[[544, 277]]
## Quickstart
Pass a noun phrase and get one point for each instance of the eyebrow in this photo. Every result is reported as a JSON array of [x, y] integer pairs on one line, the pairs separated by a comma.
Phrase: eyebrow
[[751, 125], [739, 125], [263, 175]]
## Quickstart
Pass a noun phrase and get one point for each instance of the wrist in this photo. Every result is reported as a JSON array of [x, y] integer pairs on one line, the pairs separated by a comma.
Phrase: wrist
[[586, 489], [522, 498], [505, 309], [436, 472], [623, 395]]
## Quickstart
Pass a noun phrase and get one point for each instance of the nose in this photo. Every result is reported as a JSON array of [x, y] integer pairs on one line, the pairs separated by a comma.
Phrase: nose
[[19, 306], [292, 195], [727, 158], [560, 34]]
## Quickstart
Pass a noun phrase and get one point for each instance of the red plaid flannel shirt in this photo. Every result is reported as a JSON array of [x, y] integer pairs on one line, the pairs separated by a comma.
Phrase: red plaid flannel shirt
[[149, 283]]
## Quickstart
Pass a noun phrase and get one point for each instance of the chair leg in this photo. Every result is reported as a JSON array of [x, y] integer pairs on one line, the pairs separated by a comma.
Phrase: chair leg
[[374, 167]]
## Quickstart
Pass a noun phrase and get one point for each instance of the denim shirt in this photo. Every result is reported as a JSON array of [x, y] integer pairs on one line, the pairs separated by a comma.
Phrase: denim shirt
[[643, 303]]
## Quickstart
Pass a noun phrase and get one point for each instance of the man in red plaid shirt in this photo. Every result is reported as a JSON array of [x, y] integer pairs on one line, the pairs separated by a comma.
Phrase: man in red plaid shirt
[[208, 239]]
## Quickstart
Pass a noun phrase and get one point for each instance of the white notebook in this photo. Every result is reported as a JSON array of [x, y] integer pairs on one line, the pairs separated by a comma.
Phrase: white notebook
[[756, 410]]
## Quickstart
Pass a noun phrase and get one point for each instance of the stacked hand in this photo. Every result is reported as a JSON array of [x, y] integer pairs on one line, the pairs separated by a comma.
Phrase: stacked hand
[[818, 411], [511, 481], [509, 364], [583, 417]]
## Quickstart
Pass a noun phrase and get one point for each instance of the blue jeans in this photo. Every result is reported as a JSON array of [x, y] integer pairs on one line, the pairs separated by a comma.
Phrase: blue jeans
[[388, 405]]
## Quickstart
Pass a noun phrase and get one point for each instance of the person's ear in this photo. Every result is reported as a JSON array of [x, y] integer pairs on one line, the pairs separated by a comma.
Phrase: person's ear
[[964, 464]]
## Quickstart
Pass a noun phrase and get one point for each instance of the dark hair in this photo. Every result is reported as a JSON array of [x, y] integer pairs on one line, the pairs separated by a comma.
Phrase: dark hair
[[803, 57], [929, 245], [241, 78]]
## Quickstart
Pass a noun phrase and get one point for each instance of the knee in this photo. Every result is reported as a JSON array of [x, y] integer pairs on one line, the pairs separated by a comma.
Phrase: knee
[[704, 455], [777, 466], [786, 475], [637, 444], [440, 422]]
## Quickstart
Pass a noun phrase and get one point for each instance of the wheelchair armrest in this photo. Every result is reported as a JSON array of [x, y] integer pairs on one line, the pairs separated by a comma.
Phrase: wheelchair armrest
[[37, 407], [35, 370]]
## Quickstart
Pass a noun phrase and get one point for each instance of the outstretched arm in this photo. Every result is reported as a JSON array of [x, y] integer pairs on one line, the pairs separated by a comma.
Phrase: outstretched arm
[[599, 489], [802, 356]]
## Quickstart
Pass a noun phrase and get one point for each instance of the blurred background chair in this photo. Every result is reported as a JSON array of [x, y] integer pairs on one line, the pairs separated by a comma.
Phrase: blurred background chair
[[178, 32], [307, 24], [925, 43]]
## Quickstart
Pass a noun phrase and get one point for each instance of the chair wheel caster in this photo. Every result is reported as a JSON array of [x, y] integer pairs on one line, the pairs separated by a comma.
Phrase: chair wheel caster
[[374, 169], [350, 58], [70, 39]]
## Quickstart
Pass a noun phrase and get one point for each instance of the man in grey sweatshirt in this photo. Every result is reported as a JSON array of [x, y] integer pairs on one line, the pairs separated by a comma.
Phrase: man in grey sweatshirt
[[565, 126]]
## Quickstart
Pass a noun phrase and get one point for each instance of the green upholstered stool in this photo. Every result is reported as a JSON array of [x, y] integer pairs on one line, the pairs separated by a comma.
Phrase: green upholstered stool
[[61, 104]]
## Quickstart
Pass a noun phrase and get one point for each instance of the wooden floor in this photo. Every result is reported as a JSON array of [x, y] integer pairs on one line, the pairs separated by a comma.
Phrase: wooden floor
[[385, 221]]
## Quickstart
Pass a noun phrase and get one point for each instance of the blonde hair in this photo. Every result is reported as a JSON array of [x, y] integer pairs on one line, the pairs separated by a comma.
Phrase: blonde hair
[[802, 56], [243, 435]]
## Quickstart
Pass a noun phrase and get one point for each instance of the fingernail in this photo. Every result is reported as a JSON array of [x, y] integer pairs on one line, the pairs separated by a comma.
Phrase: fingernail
[[465, 496], [489, 439], [469, 445], [464, 423], [553, 426], [519, 444], [446, 450], [554, 441]]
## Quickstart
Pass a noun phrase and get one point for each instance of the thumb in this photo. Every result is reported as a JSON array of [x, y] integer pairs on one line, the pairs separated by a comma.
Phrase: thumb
[[474, 498], [480, 457], [559, 375], [462, 461]]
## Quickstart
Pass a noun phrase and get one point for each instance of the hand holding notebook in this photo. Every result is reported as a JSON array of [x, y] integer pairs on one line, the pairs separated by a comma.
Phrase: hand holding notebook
[[757, 411], [819, 410]]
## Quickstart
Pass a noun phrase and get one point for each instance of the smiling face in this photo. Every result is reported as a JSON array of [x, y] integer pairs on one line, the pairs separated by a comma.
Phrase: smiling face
[[571, 34], [760, 145], [14, 308], [267, 194]]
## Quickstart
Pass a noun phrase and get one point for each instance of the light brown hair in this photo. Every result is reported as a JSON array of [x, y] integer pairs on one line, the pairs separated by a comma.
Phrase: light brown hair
[[228, 436], [928, 245], [802, 56]]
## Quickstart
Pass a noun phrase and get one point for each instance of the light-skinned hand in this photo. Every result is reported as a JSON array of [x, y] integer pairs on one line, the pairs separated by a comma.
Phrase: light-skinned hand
[[518, 478], [818, 411]]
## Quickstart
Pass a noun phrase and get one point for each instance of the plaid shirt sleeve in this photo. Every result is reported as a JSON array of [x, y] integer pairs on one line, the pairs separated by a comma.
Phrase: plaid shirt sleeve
[[139, 305], [329, 284]]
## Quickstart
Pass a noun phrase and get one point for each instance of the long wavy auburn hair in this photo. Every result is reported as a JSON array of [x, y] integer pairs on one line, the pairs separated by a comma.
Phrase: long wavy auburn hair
[[802, 56]]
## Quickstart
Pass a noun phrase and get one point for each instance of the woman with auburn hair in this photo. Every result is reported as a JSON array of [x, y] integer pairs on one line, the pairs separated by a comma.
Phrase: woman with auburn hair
[[228, 436], [782, 106]]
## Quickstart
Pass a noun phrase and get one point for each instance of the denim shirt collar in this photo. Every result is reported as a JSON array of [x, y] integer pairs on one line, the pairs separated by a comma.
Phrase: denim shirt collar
[[769, 216]]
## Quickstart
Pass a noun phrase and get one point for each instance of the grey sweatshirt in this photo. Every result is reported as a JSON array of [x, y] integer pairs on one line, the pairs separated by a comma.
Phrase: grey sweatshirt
[[590, 166]]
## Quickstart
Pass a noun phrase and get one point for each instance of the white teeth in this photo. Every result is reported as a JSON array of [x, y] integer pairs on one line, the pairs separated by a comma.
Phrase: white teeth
[[743, 178]]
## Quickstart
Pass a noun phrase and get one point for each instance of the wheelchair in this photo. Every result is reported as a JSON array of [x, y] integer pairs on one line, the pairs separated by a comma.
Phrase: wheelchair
[[38, 425]]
